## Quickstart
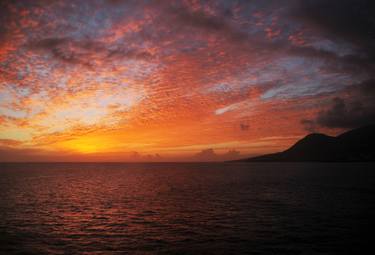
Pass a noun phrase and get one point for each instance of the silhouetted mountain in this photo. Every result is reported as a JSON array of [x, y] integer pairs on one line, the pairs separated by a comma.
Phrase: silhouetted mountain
[[355, 145]]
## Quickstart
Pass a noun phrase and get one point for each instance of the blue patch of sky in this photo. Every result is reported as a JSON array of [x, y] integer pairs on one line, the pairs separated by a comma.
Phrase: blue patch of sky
[[314, 85], [19, 114], [221, 88], [339, 48]]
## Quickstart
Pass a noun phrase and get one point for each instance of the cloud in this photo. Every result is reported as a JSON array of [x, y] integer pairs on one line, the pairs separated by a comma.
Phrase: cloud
[[244, 127], [206, 155], [50, 43], [309, 125], [355, 110], [223, 24], [216, 23], [171, 73], [346, 114], [211, 155], [8, 153], [130, 54], [87, 51], [138, 157], [231, 154], [9, 142], [5, 17], [350, 20]]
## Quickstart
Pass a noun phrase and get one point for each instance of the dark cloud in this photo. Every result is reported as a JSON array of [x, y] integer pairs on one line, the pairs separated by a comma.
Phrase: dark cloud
[[136, 156], [348, 63], [50, 43], [244, 127], [10, 13], [83, 52], [350, 20], [4, 18], [130, 53], [208, 22], [178, 18], [309, 125], [356, 110], [343, 114], [211, 155], [206, 155], [232, 154], [61, 49], [361, 34]]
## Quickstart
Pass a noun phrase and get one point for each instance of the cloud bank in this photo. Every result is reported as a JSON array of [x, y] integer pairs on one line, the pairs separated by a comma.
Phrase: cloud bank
[[159, 77]]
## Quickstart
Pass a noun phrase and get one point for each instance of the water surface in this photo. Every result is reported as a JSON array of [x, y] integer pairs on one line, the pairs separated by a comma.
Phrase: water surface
[[231, 208]]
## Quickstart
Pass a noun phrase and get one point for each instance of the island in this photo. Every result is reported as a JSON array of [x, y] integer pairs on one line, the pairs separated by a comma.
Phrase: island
[[352, 146]]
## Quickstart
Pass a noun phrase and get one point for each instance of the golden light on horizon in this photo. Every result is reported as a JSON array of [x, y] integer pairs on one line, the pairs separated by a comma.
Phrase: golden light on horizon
[[130, 78]]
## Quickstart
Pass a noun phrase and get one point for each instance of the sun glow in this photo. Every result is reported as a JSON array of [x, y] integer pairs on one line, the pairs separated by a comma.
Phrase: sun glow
[[134, 77], [85, 145]]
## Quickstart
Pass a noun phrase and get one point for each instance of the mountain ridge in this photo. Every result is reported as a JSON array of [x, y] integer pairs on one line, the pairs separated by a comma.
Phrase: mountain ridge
[[351, 146]]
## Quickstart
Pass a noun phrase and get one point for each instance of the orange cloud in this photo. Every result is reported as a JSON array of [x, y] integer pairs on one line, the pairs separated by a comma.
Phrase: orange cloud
[[100, 80]]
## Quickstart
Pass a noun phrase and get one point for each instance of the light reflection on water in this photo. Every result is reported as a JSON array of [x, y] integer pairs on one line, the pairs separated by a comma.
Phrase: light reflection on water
[[185, 208]]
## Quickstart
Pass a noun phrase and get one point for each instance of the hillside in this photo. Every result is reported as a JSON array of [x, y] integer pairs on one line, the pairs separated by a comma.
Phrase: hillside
[[355, 145]]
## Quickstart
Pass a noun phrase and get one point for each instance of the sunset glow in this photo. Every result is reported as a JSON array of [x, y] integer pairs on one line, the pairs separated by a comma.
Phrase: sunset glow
[[175, 80]]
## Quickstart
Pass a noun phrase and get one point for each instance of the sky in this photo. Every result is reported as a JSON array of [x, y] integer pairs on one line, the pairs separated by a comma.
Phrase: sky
[[112, 80]]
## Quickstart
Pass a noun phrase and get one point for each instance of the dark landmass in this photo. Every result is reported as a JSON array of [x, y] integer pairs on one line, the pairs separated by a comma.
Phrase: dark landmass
[[355, 145]]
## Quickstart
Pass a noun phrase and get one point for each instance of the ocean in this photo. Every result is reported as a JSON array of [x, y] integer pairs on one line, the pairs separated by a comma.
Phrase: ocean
[[187, 208]]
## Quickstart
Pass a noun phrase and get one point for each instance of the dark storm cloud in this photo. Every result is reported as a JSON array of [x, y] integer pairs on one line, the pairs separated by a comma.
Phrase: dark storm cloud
[[332, 25], [177, 17], [82, 52], [350, 20], [354, 111]]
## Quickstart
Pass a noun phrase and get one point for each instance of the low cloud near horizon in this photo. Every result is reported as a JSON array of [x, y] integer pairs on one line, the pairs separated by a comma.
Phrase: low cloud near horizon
[[9, 154], [108, 78], [211, 155]]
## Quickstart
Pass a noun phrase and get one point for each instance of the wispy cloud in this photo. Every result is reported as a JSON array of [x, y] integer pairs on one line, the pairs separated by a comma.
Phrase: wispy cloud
[[157, 76]]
